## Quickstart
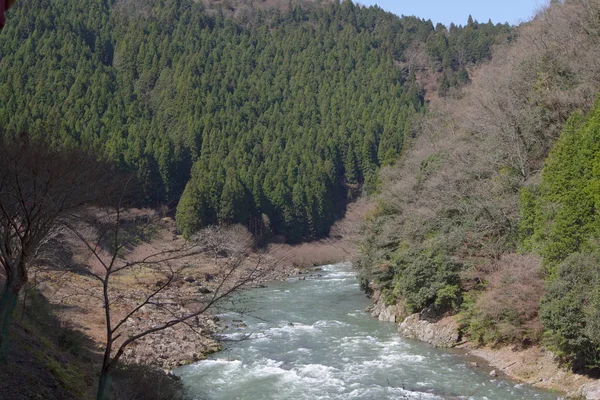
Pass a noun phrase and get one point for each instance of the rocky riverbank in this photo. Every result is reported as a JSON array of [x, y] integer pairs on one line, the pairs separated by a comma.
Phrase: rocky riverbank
[[179, 345], [443, 333], [76, 297], [538, 368], [175, 346], [533, 366]]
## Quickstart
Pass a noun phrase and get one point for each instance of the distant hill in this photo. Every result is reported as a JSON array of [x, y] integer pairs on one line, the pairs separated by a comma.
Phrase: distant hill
[[240, 7]]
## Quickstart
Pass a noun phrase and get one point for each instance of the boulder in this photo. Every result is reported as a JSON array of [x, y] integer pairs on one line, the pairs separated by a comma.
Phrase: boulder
[[440, 334], [387, 313], [590, 391]]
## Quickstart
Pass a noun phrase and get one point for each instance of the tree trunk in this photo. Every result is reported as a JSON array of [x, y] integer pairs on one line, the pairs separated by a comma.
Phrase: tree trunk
[[104, 380], [8, 303], [103, 386]]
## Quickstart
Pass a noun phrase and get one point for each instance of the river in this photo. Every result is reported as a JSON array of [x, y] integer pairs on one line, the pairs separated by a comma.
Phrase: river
[[312, 339]]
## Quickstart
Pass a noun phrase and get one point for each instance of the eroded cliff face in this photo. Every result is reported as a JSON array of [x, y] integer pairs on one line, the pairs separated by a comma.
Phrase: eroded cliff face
[[443, 333], [387, 313]]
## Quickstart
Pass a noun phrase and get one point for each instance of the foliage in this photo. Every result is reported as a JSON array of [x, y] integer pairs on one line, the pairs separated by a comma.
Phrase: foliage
[[560, 221], [453, 50], [465, 197], [263, 112], [427, 279], [276, 115], [504, 308], [570, 311]]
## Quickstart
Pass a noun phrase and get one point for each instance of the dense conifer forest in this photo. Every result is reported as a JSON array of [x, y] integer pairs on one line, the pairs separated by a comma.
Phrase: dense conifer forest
[[270, 118]]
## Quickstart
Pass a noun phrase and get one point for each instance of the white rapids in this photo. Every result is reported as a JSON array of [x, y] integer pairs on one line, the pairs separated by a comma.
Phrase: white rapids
[[311, 339]]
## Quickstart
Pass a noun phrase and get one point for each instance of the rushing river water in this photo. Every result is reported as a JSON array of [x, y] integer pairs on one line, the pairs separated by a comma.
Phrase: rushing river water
[[312, 339]]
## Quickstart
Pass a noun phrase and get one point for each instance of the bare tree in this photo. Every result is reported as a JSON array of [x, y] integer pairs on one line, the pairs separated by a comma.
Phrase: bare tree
[[39, 189], [111, 242], [520, 101]]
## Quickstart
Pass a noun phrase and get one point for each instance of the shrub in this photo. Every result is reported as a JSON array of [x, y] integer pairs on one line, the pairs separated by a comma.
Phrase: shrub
[[570, 311], [139, 382], [507, 310], [428, 279], [71, 340]]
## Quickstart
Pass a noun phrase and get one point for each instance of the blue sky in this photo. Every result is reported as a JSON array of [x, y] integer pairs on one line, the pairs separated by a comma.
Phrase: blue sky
[[457, 11]]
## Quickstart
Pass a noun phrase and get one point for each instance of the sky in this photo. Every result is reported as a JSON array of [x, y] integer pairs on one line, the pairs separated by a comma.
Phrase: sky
[[457, 11]]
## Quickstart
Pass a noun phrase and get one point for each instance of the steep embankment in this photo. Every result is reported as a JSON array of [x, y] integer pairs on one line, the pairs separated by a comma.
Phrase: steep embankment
[[49, 359], [76, 294], [60, 333], [457, 233], [532, 365]]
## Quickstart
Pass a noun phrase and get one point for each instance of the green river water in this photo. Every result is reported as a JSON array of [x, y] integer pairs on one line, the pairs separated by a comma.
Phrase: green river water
[[312, 339]]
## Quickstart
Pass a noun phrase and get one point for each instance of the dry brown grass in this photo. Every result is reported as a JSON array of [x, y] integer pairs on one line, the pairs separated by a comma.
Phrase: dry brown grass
[[340, 246]]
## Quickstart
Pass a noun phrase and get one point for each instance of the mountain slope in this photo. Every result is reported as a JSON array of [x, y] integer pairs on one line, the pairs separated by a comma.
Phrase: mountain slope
[[451, 234], [284, 116]]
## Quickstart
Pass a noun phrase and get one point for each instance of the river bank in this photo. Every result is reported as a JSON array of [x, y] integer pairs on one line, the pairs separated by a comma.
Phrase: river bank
[[179, 346], [312, 339], [533, 365], [537, 367], [75, 298]]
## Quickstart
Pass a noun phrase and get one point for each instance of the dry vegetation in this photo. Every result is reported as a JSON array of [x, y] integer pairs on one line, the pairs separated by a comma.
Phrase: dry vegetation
[[513, 289], [340, 246], [143, 294], [161, 286], [454, 196], [451, 203], [161, 278]]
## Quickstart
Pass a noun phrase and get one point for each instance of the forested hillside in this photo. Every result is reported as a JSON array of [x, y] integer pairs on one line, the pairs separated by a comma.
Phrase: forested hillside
[[479, 144], [559, 220], [270, 118], [492, 209]]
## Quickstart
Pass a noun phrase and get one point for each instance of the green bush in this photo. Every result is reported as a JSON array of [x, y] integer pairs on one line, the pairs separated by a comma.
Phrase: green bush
[[428, 279], [559, 217], [570, 311], [559, 221]]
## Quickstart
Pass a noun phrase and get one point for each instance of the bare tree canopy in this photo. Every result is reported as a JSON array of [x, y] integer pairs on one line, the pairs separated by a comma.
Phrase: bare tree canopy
[[110, 238], [40, 189]]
